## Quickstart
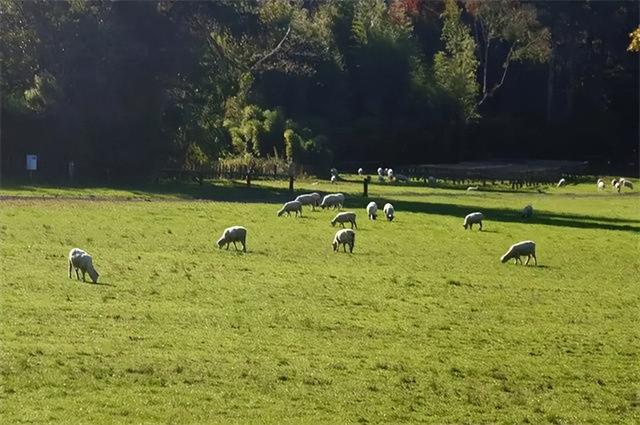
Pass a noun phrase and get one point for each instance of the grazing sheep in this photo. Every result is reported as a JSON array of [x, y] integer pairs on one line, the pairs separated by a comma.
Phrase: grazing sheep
[[561, 182], [372, 210], [380, 171], [473, 189], [344, 237], [234, 234], [334, 200], [80, 260], [613, 182], [360, 171], [312, 199], [617, 186], [521, 249], [390, 173], [345, 217], [334, 172], [527, 212], [334, 179], [626, 183], [473, 218], [601, 185], [289, 207], [600, 180], [388, 211]]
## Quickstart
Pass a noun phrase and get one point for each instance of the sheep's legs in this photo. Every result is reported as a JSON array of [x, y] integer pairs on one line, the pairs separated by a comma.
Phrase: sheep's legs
[[535, 260], [77, 274], [235, 246], [70, 267], [342, 224], [244, 247], [83, 276], [528, 259], [480, 225], [344, 246]]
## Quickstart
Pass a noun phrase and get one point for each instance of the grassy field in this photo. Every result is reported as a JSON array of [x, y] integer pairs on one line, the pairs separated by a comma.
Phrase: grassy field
[[422, 323]]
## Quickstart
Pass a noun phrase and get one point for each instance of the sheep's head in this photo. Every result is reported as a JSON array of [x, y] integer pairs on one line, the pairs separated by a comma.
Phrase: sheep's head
[[506, 257], [335, 245], [390, 217], [93, 274], [333, 222], [280, 212], [221, 242]]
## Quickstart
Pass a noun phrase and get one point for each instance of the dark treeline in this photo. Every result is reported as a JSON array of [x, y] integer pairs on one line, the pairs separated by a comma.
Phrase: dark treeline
[[136, 86]]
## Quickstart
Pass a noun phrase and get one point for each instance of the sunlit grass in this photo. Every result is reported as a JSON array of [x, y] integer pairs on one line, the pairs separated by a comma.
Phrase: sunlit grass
[[421, 323]]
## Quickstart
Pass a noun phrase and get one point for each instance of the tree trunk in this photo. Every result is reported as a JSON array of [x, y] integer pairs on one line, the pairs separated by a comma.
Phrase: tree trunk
[[550, 82]]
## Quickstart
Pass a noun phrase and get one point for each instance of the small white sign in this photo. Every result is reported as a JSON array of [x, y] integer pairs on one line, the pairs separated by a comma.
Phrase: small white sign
[[32, 162]]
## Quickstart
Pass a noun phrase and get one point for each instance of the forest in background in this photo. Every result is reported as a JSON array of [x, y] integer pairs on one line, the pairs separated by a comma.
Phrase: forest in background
[[137, 86]]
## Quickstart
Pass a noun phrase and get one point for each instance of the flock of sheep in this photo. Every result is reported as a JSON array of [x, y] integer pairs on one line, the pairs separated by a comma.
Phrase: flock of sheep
[[81, 261]]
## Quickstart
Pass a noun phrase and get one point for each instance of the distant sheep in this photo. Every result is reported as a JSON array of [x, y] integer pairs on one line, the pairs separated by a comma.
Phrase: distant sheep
[[380, 171], [233, 234], [312, 199], [600, 180], [344, 237], [345, 217], [390, 173], [388, 211], [473, 218], [521, 249], [372, 210], [334, 172], [360, 171], [626, 183], [561, 182], [333, 200], [289, 207], [613, 182], [527, 212], [601, 185], [473, 189], [334, 179], [80, 260], [617, 186]]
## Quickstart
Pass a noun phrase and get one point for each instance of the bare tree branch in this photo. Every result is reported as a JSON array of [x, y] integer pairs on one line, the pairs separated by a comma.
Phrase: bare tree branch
[[505, 66], [272, 52]]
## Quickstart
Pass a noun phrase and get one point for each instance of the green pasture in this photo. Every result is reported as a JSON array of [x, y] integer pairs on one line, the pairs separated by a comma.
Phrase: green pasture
[[422, 323]]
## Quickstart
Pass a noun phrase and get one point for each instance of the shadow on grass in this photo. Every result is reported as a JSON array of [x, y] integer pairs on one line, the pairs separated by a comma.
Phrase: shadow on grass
[[234, 191]]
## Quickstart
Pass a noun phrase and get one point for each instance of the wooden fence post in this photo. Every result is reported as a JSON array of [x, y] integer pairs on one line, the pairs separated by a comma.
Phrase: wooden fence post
[[291, 184], [366, 186]]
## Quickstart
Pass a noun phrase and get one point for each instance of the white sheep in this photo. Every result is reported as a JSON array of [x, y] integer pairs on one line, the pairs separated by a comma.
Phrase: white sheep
[[334, 179], [600, 180], [312, 199], [473, 218], [473, 189], [617, 186], [234, 234], [380, 171], [626, 183], [345, 217], [334, 172], [390, 173], [344, 237], [334, 200], [521, 249], [360, 171], [601, 185], [372, 210], [527, 212], [613, 182], [289, 207], [388, 211], [561, 182], [80, 260]]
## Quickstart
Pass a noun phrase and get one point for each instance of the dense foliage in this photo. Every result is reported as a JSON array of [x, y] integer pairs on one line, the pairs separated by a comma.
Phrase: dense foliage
[[130, 87]]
